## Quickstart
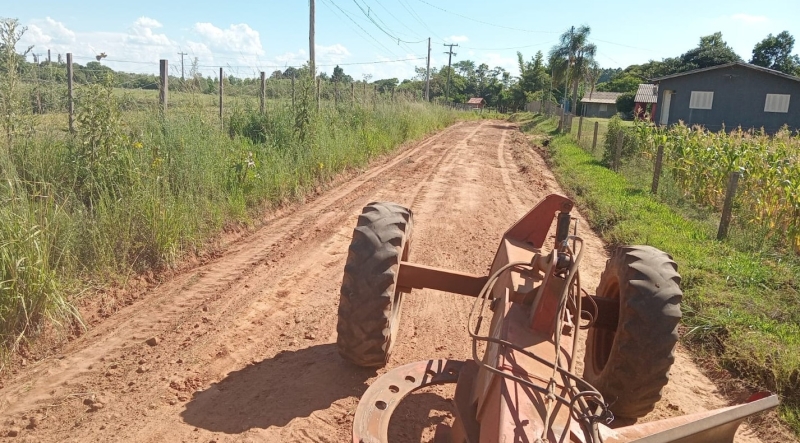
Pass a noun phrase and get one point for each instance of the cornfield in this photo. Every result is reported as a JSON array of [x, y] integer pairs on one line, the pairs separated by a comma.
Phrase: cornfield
[[701, 161]]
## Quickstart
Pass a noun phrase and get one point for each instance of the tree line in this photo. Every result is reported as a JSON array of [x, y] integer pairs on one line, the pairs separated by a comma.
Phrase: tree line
[[567, 73]]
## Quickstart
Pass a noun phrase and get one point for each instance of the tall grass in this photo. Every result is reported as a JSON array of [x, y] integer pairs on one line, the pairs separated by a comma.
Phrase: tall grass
[[134, 191]]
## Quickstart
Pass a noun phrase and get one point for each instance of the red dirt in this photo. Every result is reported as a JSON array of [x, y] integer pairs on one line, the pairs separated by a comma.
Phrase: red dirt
[[241, 348]]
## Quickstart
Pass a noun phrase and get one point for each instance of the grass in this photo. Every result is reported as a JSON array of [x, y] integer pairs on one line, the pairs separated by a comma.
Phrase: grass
[[740, 304], [136, 190]]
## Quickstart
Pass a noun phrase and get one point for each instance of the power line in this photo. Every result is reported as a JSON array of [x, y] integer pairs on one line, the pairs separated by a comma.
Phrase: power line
[[419, 20], [325, 2], [323, 65], [390, 34], [397, 20]]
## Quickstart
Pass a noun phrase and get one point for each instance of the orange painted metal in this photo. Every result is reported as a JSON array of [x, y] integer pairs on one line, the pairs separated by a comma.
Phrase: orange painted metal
[[504, 396], [414, 276], [533, 227]]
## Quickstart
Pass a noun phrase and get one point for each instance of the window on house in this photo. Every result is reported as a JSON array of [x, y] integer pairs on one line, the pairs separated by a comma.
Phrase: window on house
[[603, 108], [701, 100], [777, 103]]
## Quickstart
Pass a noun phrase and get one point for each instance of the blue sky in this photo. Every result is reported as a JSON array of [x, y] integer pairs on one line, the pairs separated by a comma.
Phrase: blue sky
[[247, 37]]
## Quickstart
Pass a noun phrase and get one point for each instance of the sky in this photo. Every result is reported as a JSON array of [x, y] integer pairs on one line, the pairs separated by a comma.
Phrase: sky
[[362, 35]]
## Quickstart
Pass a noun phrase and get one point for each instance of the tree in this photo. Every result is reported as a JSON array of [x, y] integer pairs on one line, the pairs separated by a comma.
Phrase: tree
[[291, 72], [339, 76], [572, 57], [775, 52], [711, 51], [625, 103], [386, 85], [276, 74], [533, 78]]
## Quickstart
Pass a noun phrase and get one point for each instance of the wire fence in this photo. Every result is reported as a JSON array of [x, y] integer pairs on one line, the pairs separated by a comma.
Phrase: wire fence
[[46, 85]]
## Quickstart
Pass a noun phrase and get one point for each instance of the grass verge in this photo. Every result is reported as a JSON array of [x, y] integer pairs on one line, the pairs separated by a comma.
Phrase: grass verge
[[739, 305]]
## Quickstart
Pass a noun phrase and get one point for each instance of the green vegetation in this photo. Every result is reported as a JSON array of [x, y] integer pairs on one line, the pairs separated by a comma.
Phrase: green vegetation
[[740, 303], [133, 191], [700, 161], [773, 52]]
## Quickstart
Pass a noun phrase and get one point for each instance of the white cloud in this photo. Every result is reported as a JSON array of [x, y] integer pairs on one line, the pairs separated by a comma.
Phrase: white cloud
[[494, 59], [47, 34], [457, 39], [142, 33], [749, 19], [147, 22], [239, 38]]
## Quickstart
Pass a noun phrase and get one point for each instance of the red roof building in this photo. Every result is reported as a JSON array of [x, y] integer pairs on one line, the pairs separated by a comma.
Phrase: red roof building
[[645, 102], [476, 103]]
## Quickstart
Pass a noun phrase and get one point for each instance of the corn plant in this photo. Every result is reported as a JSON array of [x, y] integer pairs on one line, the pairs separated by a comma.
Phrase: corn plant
[[701, 162]]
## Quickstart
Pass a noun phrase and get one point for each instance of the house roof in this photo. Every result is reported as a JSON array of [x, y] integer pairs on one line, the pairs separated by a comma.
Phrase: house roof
[[609, 98], [647, 93], [476, 100], [728, 65]]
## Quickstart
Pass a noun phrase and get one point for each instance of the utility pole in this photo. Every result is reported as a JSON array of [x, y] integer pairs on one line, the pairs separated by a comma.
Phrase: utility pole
[[428, 74], [450, 54], [311, 61], [182, 54]]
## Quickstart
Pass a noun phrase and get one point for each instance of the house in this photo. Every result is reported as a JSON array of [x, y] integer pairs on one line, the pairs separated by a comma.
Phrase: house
[[600, 104], [476, 103], [645, 101], [730, 95]]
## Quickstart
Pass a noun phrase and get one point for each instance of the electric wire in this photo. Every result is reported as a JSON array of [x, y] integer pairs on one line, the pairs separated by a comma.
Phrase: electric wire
[[331, 2], [381, 28], [394, 16], [419, 20]]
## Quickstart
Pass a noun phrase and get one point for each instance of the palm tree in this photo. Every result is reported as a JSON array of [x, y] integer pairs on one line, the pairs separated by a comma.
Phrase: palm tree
[[572, 57]]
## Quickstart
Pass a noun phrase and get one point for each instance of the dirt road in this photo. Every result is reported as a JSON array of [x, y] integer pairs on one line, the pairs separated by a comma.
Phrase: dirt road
[[241, 349]]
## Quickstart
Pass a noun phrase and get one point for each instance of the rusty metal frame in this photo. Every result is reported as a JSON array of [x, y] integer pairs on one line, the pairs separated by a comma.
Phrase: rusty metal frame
[[414, 276], [371, 422], [512, 389]]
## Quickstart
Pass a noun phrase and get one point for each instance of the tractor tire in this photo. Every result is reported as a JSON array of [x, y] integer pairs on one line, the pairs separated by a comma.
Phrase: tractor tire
[[369, 302], [630, 365]]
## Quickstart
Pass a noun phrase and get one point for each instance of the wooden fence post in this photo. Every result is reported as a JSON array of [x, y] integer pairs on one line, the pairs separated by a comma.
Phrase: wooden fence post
[[221, 81], [594, 139], [70, 94], [392, 94], [618, 151], [727, 207], [560, 128], [263, 90], [580, 128], [657, 170], [292, 90], [353, 94], [319, 87], [336, 93], [163, 93]]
